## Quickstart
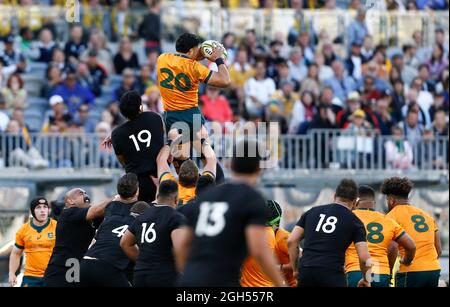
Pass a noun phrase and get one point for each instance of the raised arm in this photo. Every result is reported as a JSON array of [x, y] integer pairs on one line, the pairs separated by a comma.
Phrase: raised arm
[[162, 161], [221, 78], [98, 210]]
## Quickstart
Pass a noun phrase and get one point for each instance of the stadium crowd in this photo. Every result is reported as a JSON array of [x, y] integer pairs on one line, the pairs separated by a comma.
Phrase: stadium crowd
[[303, 81]]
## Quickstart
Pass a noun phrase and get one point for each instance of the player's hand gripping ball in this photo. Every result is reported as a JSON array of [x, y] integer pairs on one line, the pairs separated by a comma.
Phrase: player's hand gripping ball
[[208, 46]]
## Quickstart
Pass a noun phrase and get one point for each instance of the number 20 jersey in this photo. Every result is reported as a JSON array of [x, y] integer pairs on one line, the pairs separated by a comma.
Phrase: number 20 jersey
[[107, 239], [329, 231], [219, 219]]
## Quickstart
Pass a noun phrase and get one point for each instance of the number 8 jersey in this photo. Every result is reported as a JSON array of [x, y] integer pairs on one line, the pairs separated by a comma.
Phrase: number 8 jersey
[[178, 80], [329, 231]]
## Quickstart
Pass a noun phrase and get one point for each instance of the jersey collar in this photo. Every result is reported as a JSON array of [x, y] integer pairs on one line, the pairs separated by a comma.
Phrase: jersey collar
[[368, 209], [182, 55], [39, 228]]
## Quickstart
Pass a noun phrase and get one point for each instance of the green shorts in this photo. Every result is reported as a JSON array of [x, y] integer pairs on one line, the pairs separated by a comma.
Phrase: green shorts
[[417, 279], [378, 280], [32, 281], [191, 119]]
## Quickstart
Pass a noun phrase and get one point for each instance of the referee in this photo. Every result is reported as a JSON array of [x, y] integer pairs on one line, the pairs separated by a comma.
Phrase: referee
[[327, 232]]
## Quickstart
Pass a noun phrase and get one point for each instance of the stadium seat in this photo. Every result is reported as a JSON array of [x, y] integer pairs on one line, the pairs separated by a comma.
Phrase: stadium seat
[[34, 122], [114, 80], [37, 68], [33, 83], [102, 102], [37, 102]]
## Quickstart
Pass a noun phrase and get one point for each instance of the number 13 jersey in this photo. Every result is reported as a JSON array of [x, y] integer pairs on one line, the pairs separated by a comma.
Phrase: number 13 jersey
[[329, 231]]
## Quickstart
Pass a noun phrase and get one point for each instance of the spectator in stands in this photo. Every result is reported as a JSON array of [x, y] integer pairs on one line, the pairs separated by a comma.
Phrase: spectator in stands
[[117, 117], [440, 124], [59, 59], [19, 149], [43, 50], [286, 97], [54, 78], [303, 113], [412, 104], [329, 54], [357, 30], [407, 73], [411, 5], [358, 124], [437, 62], [297, 66], [304, 42], [324, 119], [152, 100], [58, 119], [229, 43], [11, 60], [254, 48], [83, 121], [440, 39], [398, 99], [4, 118], [126, 57], [15, 95], [399, 153], [273, 58], [259, 90], [128, 84], [96, 43], [409, 56], [369, 92], [98, 73], [422, 52], [327, 98], [367, 50], [152, 59], [428, 84], [215, 107], [412, 128], [325, 72], [340, 83], [73, 93], [383, 116], [283, 75], [150, 27], [29, 16], [355, 61], [438, 104], [75, 47], [312, 82], [353, 103], [94, 16], [18, 115], [122, 21], [241, 70], [145, 79], [424, 98]]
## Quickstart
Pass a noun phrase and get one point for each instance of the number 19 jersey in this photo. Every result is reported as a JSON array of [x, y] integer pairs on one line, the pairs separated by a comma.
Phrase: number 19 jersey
[[178, 80], [329, 231]]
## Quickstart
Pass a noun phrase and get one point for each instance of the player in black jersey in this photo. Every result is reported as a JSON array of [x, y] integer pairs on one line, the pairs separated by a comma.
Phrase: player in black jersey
[[74, 232], [138, 141], [105, 264], [151, 240], [327, 232], [227, 224]]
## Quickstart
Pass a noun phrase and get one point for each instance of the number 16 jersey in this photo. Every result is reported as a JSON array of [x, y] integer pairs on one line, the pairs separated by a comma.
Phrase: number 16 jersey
[[329, 231]]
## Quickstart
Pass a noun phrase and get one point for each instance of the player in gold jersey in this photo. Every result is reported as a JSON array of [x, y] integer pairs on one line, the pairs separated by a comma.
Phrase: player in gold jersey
[[36, 239], [425, 269], [381, 231]]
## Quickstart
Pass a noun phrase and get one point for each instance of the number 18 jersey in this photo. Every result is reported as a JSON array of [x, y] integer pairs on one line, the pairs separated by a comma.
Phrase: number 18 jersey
[[329, 231]]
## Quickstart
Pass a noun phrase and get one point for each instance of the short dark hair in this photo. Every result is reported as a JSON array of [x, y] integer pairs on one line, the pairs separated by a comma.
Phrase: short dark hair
[[203, 183], [188, 174], [347, 189], [246, 157], [398, 187], [139, 208], [186, 41], [128, 185], [366, 191], [130, 104], [167, 189]]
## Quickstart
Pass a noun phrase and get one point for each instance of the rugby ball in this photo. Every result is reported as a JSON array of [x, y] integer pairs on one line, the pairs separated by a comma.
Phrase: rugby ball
[[207, 48]]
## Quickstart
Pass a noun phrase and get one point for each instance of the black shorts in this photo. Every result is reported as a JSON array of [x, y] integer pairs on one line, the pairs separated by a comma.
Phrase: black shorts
[[55, 276], [98, 273], [147, 189], [321, 277]]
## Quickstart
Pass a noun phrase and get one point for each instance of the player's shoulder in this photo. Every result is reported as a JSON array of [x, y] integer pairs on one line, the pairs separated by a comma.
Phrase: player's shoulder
[[24, 228]]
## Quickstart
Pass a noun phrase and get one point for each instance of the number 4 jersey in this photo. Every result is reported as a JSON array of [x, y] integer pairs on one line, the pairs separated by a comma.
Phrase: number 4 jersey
[[421, 227], [107, 239], [139, 142], [329, 231]]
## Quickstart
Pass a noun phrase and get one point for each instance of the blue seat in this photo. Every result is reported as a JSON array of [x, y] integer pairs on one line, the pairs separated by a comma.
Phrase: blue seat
[[34, 122]]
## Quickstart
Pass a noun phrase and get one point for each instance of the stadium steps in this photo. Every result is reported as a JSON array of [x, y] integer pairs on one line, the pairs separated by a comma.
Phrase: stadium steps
[[33, 84]]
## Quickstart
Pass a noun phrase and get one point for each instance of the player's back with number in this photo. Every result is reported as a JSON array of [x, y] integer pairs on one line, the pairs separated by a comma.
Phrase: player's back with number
[[329, 230], [421, 227], [219, 222]]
